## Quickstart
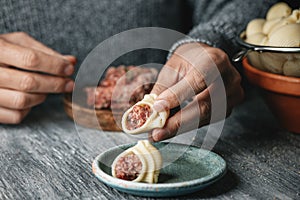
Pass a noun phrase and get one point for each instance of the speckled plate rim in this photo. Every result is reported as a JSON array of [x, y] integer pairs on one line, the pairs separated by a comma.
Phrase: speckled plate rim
[[159, 189]]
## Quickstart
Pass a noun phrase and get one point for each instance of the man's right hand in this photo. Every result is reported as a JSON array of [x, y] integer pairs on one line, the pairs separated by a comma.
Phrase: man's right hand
[[28, 72]]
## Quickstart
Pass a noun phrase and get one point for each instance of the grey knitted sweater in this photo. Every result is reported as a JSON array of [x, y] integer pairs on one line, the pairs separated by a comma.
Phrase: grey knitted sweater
[[77, 26]]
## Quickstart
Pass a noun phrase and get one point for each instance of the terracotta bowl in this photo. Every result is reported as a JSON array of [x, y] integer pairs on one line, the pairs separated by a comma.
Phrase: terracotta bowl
[[281, 93]]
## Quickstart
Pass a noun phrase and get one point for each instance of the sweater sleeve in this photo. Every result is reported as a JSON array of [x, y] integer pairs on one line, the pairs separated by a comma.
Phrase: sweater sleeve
[[218, 22]]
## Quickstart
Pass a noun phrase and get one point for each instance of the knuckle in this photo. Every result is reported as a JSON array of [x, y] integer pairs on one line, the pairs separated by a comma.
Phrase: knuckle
[[214, 57], [217, 55], [5, 75], [61, 66], [28, 83], [222, 55], [157, 88], [30, 59], [196, 83], [177, 125], [174, 99], [20, 101], [204, 107], [58, 86]]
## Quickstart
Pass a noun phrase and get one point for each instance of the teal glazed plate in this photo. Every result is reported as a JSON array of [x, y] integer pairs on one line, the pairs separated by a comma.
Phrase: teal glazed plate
[[186, 170]]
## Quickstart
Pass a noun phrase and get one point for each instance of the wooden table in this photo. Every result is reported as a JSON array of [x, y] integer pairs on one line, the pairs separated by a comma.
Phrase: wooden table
[[48, 157]]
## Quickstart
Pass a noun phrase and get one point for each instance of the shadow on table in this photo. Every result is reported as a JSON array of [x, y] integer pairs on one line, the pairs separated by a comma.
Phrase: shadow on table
[[225, 184], [222, 186]]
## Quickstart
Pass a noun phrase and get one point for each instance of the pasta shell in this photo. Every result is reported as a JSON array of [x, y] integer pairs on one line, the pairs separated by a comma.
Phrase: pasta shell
[[149, 157], [154, 120], [255, 26], [286, 36], [256, 38], [279, 10]]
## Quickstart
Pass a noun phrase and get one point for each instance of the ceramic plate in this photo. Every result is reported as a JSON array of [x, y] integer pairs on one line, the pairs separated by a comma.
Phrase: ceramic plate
[[186, 169]]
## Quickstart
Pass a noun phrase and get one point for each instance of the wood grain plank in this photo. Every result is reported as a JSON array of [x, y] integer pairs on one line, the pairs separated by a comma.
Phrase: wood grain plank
[[49, 157]]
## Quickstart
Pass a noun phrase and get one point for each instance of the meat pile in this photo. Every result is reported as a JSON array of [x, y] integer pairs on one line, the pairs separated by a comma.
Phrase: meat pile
[[121, 87], [138, 116], [128, 167]]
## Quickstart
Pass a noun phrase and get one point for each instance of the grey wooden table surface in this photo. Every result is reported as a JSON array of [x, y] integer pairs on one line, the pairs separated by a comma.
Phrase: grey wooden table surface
[[48, 157]]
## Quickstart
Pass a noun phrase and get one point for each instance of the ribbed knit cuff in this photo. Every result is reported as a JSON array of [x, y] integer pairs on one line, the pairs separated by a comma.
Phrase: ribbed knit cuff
[[186, 41]]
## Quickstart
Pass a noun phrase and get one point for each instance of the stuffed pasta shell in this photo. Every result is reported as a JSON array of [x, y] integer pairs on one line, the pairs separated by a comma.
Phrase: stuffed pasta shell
[[141, 117], [140, 163]]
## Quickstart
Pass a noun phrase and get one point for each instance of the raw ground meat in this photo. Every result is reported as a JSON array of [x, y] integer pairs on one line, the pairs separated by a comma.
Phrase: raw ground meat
[[121, 87], [128, 167], [138, 116]]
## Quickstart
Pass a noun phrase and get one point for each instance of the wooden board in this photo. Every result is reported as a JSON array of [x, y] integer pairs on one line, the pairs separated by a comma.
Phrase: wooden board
[[103, 119]]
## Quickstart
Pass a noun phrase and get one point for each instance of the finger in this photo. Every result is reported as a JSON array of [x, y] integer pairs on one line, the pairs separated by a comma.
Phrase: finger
[[186, 88], [25, 40], [192, 72], [234, 90], [166, 78], [19, 100], [71, 58], [195, 114], [34, 82], [9, 116], [202, 72], [172, 72], [33, 60]]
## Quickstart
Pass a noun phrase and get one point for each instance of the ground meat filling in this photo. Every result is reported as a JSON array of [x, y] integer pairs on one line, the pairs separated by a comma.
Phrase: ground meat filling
[[138, 116], [121, 87], [128, 167]]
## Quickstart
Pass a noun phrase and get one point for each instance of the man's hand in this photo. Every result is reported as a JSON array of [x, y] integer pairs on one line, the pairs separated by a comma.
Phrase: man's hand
[[191, 74], [28, 72]]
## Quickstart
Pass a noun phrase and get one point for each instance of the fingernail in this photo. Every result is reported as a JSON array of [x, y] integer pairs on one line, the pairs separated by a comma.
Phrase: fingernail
[[71, 59], [69, 70], [161, 105], [69, 86]]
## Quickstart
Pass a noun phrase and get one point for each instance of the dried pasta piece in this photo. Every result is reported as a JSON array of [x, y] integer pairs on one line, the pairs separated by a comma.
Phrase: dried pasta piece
[[141, 117], [140, 163]]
